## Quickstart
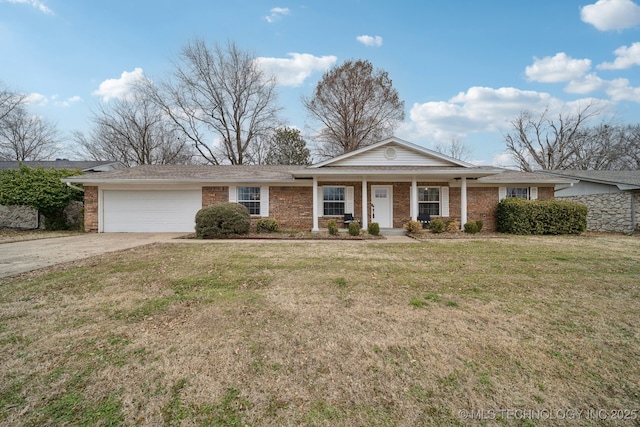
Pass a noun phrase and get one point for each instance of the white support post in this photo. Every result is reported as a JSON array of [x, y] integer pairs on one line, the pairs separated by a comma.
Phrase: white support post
[[365, 205], [414, 200], [463, 202], [315, 205]]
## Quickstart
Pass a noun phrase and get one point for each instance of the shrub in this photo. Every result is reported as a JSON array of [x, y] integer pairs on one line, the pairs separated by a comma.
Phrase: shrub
[[332, 226], [354, 228], [267, 225], [480, 225], [42, 189], [374, 229], [436, 226], [453, 226], [222, 220], [520, 216], [471, 227], [413, 227]]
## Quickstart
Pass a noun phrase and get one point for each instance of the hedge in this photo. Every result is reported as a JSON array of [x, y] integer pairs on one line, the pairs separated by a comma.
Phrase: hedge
[[519, 216]]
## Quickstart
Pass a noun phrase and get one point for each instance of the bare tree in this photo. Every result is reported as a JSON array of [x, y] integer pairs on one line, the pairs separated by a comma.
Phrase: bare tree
[[456, 149], [134, 131], [221, 100], [9, 101], [27, 137], [539, 142], [355, 106]]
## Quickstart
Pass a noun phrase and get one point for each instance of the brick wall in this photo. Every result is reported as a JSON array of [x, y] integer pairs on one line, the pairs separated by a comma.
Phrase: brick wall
[[90, 209], [214, 195]]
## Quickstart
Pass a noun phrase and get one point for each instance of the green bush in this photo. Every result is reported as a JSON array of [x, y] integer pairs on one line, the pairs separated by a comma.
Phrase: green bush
[[480, 224], [413, 227], [520, 216], [436, 226], [354, 228], [42, 189], [332, 226], [374, 229], [471, 227], [267, 225], [222, 220]]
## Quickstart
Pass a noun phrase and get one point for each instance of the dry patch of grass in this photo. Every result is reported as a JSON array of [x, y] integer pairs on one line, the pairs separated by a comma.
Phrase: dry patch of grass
[[325, 333]]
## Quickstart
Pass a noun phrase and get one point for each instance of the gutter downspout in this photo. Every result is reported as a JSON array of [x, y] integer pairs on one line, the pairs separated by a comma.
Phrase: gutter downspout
[[74, 187]]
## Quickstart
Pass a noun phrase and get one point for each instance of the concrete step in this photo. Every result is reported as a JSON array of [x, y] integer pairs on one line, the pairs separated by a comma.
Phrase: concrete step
[[392, 231]]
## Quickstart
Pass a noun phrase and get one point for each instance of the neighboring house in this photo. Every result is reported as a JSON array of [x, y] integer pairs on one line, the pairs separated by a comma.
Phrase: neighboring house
[[390, 183], [612, 197], [84, 166]]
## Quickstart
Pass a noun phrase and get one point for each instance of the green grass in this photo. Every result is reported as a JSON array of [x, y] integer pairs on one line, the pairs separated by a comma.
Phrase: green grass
[[324, 333]]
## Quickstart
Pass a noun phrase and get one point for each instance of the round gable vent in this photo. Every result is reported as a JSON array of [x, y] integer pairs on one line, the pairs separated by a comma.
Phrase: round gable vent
[[390, 153]]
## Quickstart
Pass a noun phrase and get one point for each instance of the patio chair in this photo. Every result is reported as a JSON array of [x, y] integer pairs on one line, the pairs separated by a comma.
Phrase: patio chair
[[348, 219], [425, 219]]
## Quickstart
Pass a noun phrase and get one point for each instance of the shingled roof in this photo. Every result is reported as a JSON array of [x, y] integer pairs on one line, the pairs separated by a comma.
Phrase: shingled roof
[[83, 165], [625, 180]]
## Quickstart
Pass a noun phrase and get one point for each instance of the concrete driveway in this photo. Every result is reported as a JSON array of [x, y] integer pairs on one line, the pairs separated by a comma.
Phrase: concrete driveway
[[20, 257]]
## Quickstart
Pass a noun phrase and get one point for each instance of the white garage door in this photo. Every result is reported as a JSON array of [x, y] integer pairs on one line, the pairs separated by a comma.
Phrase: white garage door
[[151, 211]]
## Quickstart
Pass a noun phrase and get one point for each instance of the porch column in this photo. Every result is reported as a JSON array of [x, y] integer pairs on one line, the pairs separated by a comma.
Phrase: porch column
[[463, 202], [414, 200], [315, 204], [365, 205]]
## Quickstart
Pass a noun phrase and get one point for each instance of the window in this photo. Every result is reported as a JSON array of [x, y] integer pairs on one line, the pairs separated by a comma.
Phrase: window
[[333, 200], [522, 192], [250, 197], [429, 201]]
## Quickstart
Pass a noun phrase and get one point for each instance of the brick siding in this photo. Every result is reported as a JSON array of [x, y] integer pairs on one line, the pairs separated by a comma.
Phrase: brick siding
[[90, 209]]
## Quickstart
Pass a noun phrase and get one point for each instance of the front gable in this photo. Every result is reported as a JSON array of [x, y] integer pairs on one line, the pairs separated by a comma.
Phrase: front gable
[[392, 152]]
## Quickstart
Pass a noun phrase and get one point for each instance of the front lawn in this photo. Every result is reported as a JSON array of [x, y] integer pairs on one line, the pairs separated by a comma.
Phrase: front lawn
[[289, 333]]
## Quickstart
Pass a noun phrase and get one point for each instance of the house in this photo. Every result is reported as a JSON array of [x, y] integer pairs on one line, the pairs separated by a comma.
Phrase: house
[[391, 183], [85, 166], [612, 197]]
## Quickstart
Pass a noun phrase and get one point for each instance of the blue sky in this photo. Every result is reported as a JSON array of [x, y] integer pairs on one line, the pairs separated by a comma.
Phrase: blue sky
[[464, 68]]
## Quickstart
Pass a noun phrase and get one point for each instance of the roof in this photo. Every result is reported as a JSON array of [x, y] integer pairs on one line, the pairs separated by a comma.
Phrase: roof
[[83, 165], [624, 180], [516, 177], [193, 173]]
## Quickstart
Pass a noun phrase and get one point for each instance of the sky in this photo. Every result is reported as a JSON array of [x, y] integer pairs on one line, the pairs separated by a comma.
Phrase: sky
[[463, 68]]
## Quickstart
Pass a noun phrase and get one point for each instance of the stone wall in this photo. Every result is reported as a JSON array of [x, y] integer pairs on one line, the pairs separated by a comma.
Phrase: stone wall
[[610, 212], [24, 217]]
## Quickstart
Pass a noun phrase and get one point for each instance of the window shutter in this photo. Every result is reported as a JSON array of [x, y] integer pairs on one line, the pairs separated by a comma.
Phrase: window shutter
[[233, 195], [320, 201], [348, 203], [502, 193], [444, 201], [264, 201], [533, 193]]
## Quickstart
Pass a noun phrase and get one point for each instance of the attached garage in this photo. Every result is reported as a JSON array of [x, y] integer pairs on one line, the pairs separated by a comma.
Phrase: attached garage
[[150, 211]]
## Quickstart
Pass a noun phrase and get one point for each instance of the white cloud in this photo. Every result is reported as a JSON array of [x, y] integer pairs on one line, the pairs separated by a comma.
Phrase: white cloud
[[35, 3], [277, 13], [627, 57], [294, 70], [586, 84], [69, 101], [480, 109], [375, 41], [558, 68], [620, 90], [119, 88], [37, 99], [611, 14]]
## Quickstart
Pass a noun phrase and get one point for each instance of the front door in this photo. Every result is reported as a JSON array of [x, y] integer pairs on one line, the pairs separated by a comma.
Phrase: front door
[[382, 205]]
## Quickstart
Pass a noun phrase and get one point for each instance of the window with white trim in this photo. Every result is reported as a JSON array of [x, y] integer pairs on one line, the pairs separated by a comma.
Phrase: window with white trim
[[250, 197], [333, 201], [521, 192], [429, 201]]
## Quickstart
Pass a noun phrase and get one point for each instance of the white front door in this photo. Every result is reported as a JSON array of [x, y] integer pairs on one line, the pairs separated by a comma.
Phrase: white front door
[[382, 205]]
